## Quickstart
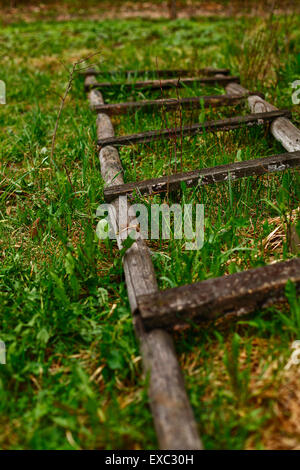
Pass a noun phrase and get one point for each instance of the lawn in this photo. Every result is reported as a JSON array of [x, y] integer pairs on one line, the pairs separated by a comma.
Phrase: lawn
[[73, 377]]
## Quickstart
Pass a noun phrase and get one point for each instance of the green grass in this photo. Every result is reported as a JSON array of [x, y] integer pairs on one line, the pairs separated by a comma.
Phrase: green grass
[[73, 374]]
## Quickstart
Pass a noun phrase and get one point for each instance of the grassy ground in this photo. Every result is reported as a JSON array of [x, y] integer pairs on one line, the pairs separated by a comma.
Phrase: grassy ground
[[73, 373]]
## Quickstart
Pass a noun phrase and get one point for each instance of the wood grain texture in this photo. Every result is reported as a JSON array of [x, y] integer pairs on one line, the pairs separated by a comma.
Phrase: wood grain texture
[[105, 128], [104, 125], [194, 129], [281, 128], [205, 176], [168, 104], [95, 98], [111, 167], [167, 73], [168, 401], [239, 294], [158, 84], [173, 416]]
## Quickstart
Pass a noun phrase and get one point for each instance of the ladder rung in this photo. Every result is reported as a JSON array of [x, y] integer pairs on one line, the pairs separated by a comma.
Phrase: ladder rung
[[207, 126], [169, 104], [159, 73], [169, 83], [205, 176], [239, 293]]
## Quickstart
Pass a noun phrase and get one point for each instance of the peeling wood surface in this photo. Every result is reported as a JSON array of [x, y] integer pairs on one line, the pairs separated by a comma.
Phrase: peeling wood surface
[[194, 129], [167, 73], [169, 104], [239, 294], [158, 84], [205, 176], [236, 294], [173, 416], [282, 128]]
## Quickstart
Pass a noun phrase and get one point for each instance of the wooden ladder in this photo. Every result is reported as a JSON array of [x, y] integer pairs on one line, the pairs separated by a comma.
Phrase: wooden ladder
[[155, 312]]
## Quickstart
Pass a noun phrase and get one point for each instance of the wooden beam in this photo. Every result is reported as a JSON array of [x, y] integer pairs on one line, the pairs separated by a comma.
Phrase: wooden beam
[[207, 126], [172, 9], [173, 416], [159, 84], [167, 73], [239, 294], [217, 174], [169, 104], [281, 128]]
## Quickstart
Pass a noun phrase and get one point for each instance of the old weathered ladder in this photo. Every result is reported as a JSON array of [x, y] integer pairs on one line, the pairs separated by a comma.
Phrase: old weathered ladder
[[154, 311]]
